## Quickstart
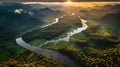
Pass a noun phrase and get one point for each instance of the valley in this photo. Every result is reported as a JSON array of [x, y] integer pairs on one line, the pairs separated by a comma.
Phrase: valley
[[59, 38]]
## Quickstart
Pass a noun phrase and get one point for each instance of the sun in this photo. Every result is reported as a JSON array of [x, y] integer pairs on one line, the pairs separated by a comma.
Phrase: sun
[[68, 2]]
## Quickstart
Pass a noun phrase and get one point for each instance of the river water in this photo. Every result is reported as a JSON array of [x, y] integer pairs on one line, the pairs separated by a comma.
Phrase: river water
[[50, 53], [69, 34]]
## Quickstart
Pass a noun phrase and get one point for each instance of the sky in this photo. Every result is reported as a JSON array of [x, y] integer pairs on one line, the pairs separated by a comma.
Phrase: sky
[[53, 0]]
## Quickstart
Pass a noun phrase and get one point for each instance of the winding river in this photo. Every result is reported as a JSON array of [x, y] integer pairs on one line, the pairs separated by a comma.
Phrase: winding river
[[69, 34], [50, 53]]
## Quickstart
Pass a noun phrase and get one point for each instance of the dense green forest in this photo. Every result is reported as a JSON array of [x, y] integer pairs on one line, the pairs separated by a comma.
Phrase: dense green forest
[[12, 24], [30, 59], [98, 46]]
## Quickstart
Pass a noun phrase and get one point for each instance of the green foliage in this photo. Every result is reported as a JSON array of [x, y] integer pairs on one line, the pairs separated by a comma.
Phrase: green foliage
[[37, 42], [9, 49], [95, 47], [28, 59], [59, 46], [98, 46], [5, 54]]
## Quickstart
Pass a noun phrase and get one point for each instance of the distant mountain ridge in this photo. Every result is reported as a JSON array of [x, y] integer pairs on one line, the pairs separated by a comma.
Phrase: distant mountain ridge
[[16, 23], [112, 19]]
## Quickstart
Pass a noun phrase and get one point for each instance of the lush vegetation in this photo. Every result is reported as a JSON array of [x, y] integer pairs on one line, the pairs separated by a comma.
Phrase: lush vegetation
[[54, 31], [9, 49], [30, 59], [91, 49], [12, 24], [98, 46]]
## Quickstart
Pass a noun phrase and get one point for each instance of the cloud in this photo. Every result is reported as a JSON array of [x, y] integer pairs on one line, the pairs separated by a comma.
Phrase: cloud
[[18, 11], [30, 13]]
